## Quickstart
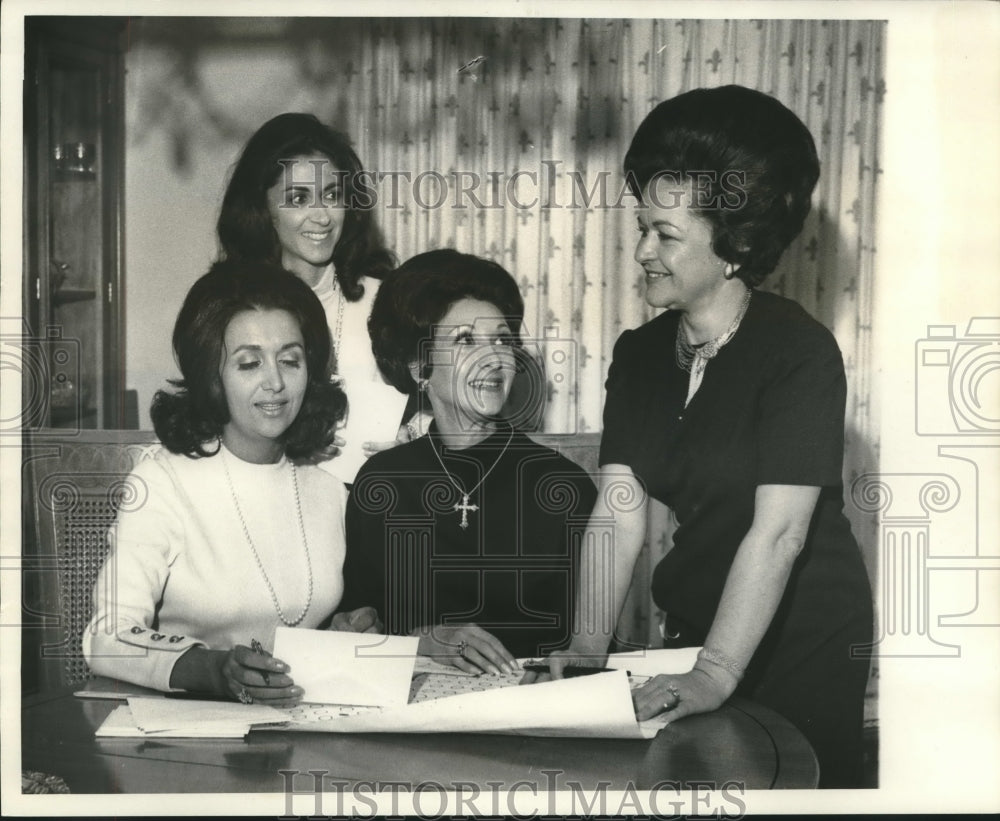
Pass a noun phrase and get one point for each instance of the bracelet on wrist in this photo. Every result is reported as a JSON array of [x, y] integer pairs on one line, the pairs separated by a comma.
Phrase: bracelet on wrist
[[720, 659]]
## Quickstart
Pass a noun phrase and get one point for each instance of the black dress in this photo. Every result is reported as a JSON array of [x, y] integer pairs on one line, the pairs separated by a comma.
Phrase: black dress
[[512, 570], [770, 410]]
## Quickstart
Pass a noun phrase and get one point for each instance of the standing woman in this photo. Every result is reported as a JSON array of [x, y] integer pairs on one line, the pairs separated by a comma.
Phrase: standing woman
[[729, 409], [298, 197], [231, 534]]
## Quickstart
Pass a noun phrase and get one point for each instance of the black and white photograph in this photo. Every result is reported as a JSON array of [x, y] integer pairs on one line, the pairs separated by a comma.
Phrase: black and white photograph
[[513, 409]]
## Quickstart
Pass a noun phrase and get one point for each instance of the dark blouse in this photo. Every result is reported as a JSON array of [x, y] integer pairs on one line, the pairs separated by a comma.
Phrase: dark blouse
[[512, 571], [770, 410]]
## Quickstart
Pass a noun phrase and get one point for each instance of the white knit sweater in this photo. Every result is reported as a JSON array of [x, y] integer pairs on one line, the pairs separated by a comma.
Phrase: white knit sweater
[[181, 573]]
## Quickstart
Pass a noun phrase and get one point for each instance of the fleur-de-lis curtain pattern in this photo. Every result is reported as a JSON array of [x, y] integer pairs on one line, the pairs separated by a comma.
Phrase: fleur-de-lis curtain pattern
[[505, 138]]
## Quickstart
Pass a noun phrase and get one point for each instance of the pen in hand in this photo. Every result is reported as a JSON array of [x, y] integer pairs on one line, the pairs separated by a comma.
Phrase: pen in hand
[[258, 648]]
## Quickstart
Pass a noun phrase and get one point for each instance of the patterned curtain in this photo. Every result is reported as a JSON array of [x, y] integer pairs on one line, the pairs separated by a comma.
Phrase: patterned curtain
[[512, 134], [560, 99]]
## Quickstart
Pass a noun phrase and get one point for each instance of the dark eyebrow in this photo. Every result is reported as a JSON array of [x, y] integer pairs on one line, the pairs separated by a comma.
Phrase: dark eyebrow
[[308, 186], [660, 223], [257, 348]]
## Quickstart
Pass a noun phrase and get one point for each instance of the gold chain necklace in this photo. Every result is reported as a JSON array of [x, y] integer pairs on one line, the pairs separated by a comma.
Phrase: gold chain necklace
[[465, 507], [260, 565]]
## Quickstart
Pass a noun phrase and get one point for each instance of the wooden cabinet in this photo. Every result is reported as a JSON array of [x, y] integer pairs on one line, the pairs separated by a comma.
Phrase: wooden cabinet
[[73, 359]]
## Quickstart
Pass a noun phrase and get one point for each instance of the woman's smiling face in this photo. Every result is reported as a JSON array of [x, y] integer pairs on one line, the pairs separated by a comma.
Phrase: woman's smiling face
[[472, 366], [675, 250], [307, 211]]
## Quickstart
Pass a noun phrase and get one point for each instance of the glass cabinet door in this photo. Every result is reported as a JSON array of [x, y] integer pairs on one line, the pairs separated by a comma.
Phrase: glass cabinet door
[[73, 117]]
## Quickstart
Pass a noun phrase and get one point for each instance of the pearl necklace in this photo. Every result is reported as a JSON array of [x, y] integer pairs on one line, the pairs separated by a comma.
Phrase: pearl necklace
[[260, 565], [465, 507], [694, 358]]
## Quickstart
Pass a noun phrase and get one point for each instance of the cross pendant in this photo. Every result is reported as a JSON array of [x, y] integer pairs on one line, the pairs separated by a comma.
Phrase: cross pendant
[[465, 507]]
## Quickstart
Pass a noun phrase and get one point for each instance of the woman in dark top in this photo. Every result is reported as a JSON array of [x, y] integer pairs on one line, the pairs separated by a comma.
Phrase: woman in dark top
[[465, 536], [729, 409]]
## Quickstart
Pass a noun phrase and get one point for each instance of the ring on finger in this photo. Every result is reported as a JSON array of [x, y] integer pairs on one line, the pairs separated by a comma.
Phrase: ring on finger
[[672, 689], [461, 648], [245, 697]]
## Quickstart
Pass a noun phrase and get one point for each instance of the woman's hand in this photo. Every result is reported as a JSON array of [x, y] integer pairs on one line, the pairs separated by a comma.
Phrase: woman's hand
[[559, 660], [362, 620], [230, 673], [261, 677], [467, 647], [403, 435], [333, 449], [682, 695], [369, 449]]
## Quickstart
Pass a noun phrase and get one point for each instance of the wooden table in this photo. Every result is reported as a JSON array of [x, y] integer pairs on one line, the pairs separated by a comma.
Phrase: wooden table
[[742, 742]]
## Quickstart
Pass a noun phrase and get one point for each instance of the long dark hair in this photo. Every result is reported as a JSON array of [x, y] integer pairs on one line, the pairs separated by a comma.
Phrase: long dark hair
[[245, 229], [191, 419]]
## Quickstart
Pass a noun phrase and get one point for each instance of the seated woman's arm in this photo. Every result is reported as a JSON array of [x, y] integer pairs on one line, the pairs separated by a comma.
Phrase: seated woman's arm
[[120, 641]]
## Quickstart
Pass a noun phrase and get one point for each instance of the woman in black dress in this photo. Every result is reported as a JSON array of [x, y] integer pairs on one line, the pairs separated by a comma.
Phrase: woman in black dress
[[465, 536], [729, 409]]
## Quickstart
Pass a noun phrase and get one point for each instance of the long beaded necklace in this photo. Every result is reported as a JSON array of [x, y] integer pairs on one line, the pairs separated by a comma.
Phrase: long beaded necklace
[[694, 358], [465, 507], [260, 565]]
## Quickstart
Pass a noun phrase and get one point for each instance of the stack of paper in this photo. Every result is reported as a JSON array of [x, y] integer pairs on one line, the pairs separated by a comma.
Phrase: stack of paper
[[182, 718]]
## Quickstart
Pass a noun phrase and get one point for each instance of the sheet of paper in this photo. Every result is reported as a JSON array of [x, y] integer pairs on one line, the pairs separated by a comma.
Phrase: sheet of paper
[[157, 714], [348, 668], [655, 662], [589, 706], [120, 723]]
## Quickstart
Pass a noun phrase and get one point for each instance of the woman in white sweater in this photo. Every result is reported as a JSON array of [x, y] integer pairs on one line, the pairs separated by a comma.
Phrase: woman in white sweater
[[230, 531]]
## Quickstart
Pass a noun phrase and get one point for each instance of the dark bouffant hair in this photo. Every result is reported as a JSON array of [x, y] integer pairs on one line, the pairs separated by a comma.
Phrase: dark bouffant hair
[[193, 417], [417, 295], [754, 161], [245, 228]]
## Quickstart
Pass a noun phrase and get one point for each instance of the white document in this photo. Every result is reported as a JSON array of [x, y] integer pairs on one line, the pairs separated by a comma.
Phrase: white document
[[589, 706], [335, 667], [596, 706], [120, 723], [655, 662], [186, 718], [155, 714]]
